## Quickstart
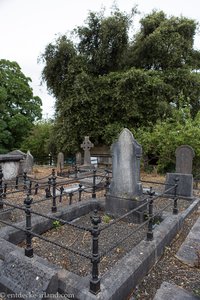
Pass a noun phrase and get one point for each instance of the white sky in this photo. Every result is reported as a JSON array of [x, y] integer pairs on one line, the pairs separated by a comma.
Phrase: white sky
[[27, 26]]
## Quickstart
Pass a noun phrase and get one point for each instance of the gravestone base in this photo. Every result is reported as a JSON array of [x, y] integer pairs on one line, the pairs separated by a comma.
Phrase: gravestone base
[[117, 207], [185, 185]]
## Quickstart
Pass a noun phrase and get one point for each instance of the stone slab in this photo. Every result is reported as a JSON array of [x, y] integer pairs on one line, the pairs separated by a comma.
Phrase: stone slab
[[185, 184], [187, 253], [27, 276], [169, 291]]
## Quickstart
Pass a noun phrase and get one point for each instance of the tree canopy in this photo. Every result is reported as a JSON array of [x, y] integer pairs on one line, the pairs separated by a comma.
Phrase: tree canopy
[[103, 79], [18, 107]]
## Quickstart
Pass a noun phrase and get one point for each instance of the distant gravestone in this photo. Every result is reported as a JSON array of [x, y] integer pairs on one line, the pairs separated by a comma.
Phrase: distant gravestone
[[60, 161], [125, 188], [184, 158], [28, 164], [78, 158], [86, 146]]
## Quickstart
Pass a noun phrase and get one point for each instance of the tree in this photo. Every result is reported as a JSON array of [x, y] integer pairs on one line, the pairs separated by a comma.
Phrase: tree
[[104, 81], [39, 139], [19, 108], [164, 43]]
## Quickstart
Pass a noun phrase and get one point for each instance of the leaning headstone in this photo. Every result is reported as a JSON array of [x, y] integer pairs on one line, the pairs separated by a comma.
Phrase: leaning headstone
[[184, 158], [60, 161], [86, 146], [125, 190], [78, 158]]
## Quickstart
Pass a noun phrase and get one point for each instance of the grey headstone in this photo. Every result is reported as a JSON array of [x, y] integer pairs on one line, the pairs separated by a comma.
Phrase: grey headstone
[[60, 161], [86, 146], [126, 154], [29, 163], [185, 185], [78, 158], [125, 190], [184, 158]]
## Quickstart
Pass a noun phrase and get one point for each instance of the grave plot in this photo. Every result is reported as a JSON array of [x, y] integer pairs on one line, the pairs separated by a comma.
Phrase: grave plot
[[99, 248]]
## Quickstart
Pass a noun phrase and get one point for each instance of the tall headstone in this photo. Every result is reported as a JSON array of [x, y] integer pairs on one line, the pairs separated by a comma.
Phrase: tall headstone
[[78, 158], [184, 158], [125, 189], [126, 153], [60, 161], [86, 146]]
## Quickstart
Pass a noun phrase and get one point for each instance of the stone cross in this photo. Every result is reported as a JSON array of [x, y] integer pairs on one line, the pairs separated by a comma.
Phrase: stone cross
[[184, 158], [86, 146]]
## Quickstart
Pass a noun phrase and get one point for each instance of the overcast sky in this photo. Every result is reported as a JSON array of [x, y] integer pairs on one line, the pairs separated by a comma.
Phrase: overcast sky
[[27, 26]]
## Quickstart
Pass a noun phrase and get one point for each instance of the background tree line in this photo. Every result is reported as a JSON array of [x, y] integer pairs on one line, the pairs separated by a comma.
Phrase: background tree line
[[105, 76]]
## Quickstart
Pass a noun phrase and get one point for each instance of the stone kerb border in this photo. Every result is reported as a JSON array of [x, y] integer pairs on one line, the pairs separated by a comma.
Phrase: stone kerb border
[[118, 282]]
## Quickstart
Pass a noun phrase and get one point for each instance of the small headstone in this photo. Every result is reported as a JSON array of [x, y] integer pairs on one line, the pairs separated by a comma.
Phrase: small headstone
[[86, 146], [78, 158], [60, 161], [184, 158]]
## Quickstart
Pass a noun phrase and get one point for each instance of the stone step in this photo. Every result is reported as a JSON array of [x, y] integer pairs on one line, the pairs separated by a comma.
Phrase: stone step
[[168, 291], [189, 252]]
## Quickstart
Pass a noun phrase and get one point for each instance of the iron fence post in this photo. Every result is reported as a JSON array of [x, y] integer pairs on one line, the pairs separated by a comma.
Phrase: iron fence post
[[80, 190], [70, 198], [4, 190], [30, 187], [61, 193], [25, 179], [17, 182], [54, 207], [107, 185], [94, 185], [150, 224], [95, 280], [1, 188], [36, 188], [28, 249], [175, 208]]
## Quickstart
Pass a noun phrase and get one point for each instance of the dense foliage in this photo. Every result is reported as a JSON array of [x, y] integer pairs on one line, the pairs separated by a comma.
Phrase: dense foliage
[[103, 79], [39, 139], [18, 107]]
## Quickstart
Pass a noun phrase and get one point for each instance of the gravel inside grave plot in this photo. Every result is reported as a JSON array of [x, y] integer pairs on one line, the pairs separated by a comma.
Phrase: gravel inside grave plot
[[82, 241]]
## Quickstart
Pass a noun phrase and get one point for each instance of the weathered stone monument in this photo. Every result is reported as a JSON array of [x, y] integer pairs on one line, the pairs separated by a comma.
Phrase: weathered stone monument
[[125, 189], [10, 165], [78, 158], [86, 146], [184, 157], [60, 161]]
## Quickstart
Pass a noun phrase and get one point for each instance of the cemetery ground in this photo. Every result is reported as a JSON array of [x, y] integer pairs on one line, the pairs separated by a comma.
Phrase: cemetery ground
[[168, 268]]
